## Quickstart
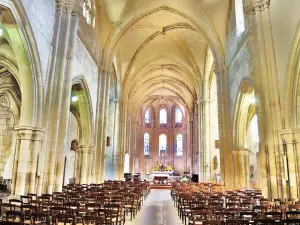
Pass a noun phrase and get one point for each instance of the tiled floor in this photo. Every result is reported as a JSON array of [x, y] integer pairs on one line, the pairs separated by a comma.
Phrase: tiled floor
[[157, 210]]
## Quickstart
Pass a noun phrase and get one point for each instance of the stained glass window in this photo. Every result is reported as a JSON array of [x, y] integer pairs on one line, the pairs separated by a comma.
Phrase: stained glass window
[[147, 116], [87, 11], [178, 116], [239, 15], [162, 143], [146, 144], [179, 145], [163, 116]]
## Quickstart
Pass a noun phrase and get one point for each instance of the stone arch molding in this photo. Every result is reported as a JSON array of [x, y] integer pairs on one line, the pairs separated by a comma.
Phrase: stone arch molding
[[21, 39], [293, 84], [243, 113], [85, 111]]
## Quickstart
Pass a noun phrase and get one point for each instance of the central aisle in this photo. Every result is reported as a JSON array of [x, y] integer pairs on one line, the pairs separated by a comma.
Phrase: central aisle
[[157, 210]]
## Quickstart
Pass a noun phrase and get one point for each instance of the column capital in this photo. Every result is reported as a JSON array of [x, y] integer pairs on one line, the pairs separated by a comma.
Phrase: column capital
[[38, 133], [255, 6], [24, 132], [222, 69], [105, 71], [84, 148], [241, 150], [69, 6]]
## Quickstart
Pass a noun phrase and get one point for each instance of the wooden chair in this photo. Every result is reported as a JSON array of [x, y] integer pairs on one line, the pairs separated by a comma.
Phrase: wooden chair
[[40, 218], [95, 220], [64, 219], [212, 222]]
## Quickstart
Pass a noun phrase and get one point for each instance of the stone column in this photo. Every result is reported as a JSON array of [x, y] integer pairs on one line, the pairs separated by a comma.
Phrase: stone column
[[133, 146], [67, 16], [91, 154], [291, 161], [22, 162], [84, 165], [99, 126], [37, 140], [296, 134], [267, 97], [62, 144], [225, 129], [104, 130], [236, 167], [244, 165]]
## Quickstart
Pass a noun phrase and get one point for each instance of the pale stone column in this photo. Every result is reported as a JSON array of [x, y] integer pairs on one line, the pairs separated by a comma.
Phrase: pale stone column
[[23, 161], [84, 167], [37, 140], [99, 126], [62, 144], [200, 143], [244, 164], [290, 154], [91, 154], [236, 167], [68, 13], [104, 130], [225, 128], [296, 133], [118, 135], [133, 146], [267, 95]]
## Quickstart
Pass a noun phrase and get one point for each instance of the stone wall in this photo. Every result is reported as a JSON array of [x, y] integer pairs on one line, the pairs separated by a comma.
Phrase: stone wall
[[41, 15], [5, 138], [84, 65]]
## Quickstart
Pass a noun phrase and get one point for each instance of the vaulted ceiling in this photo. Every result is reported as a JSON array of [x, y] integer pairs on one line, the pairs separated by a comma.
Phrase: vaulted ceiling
[[159, 47]]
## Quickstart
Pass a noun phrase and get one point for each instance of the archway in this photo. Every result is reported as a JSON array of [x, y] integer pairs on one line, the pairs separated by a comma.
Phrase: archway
[[24, 93], [245, 127], [81, 129]]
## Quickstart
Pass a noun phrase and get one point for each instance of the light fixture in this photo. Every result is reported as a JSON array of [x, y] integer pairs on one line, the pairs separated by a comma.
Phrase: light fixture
[[74, 98], [1, 32]]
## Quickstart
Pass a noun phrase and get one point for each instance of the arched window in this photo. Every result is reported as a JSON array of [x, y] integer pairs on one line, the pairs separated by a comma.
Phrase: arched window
[[239, 16], [178, 116], [147, 116], [87, 11], [163, 116], [146, 144], [162, 143], [179, 145]]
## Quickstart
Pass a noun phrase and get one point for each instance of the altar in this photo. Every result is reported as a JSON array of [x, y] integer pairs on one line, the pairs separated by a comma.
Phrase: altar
[[161, 174]]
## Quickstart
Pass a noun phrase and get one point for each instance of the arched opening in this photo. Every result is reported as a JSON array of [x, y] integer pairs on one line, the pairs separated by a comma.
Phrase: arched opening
[[246, 141]]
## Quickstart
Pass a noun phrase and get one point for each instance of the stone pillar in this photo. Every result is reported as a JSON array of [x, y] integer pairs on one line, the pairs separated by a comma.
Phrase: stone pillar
[[58, 100], [37, 140], [244, 166], [297, 158], [267, 97], [104, 129], [91, 160], [22, 162], [84, 165], [133, 146], [225, 129], [290, 163], [117, 147], [240, 161], [99, 131]]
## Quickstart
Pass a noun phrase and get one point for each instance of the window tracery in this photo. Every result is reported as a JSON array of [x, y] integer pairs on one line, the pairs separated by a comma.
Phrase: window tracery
[[163, 116], [178, 116], [162, 143], [239, 15], [87, 11], [179, 145], [146, 144], [147, 116]]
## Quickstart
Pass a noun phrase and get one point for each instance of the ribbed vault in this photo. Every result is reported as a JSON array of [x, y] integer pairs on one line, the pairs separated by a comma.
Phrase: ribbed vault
[[159, 47]]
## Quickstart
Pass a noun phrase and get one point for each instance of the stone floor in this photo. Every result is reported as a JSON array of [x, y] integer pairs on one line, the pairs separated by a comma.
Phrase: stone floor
[[157, 210]]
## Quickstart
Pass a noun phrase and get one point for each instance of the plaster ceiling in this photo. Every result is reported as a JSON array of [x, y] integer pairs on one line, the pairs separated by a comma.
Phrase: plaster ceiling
[[159, 47]]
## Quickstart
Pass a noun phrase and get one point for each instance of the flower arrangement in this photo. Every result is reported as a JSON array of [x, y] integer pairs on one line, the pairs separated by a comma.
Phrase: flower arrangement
[[185, 180]]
